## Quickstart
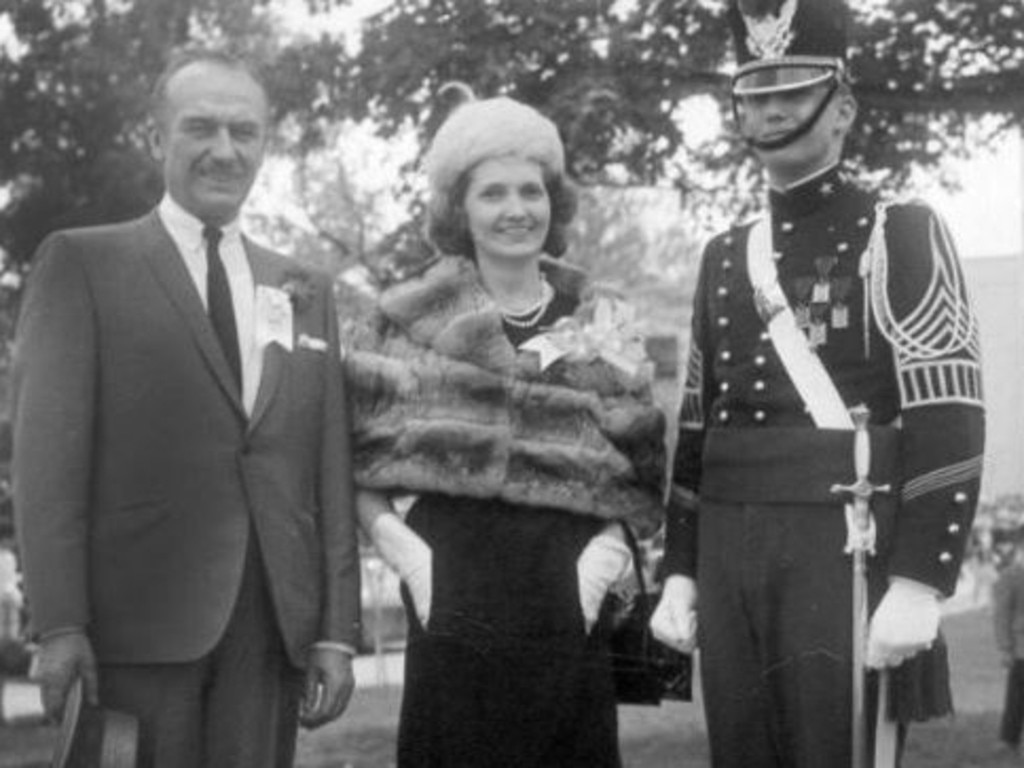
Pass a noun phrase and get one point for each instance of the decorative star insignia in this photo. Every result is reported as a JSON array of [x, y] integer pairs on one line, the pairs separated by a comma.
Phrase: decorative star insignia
[[769, 34]]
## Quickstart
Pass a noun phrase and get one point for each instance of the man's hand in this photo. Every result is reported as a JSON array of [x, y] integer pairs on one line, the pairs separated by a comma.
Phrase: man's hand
[[329, 684], [604, 560], [674, 621], [61, 659], [905, 623]]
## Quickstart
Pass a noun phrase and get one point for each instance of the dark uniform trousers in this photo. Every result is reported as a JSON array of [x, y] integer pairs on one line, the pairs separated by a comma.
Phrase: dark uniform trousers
[[776, 634], [237, 706]]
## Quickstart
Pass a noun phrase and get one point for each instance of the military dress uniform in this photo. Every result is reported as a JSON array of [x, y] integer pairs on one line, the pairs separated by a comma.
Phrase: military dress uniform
[[880, 296]]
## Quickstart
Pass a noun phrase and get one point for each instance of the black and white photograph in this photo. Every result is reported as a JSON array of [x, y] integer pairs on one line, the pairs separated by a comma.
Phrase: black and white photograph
[[511, 383]]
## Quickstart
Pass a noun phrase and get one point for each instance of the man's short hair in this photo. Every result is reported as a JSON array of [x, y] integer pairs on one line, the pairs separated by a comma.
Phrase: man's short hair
[[185, 57]]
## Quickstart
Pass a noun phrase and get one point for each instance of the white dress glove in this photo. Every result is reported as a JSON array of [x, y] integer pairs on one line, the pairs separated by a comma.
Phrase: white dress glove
[[905, 623], [674, 621], [409, 555], [604, 561]]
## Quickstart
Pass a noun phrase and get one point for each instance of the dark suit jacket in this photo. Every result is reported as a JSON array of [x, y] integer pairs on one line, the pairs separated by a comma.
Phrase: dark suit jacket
[[137, 471]]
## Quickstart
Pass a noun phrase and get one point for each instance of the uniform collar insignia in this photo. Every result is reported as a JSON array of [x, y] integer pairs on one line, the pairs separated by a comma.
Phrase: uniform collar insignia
[[809, 194]]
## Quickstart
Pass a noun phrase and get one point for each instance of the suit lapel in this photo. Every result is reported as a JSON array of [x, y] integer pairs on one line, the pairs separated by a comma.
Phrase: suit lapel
[[166, 263], [265, 272]]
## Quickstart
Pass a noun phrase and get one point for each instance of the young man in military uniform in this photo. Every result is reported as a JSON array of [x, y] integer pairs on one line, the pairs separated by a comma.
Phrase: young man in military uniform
[[831, 301]]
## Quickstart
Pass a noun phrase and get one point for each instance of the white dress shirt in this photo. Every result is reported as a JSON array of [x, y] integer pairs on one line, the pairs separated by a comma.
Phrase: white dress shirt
[[187, 233]]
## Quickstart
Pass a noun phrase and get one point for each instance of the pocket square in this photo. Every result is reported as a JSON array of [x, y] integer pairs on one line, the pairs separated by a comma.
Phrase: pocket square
[[312, 343]]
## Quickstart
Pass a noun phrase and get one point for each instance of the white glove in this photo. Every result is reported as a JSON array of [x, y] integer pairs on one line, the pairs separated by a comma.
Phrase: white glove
[[674, 621], [905, 623], [409, 555], [604, 561]]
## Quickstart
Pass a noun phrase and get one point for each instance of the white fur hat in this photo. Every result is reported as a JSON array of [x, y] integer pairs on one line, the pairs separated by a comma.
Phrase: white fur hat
[[481, 130]]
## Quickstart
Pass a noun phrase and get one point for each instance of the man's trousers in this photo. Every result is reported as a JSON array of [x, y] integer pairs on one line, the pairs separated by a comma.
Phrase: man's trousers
[[236, 707], [776, 634]]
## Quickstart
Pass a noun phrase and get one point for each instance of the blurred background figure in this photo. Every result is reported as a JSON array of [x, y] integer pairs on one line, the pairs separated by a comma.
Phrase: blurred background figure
[[11, 599], [1008, 624]]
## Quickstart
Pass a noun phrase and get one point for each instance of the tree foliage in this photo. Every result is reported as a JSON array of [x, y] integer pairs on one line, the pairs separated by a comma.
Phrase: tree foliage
[[611, 82], [74, 82], [612, 75], [74, 75]]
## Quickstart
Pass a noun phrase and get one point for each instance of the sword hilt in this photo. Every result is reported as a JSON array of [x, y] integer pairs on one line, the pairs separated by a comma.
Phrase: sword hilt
[[861, 488], [860, 542], [860, 510], [861, 441]]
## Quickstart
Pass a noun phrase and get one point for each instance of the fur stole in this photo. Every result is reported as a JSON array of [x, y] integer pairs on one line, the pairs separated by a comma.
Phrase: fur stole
[[442, 402]]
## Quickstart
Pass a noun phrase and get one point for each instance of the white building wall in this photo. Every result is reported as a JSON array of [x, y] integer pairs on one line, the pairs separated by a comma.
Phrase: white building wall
[[997, 291]]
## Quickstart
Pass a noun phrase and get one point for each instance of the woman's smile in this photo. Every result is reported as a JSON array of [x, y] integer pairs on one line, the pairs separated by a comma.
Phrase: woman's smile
[[508, 209]]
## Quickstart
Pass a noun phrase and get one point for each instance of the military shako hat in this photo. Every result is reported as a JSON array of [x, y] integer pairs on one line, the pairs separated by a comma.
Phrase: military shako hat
[[784, 45]]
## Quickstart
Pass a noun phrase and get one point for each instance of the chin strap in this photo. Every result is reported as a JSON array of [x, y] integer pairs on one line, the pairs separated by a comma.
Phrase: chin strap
[[796, 133]]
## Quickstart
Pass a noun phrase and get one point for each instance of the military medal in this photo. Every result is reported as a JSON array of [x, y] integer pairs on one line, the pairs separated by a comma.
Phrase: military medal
[[841, 309], [802, 287], [822, 293], [817, 329], [802, 314], [825, 265], [817, 334], [840, 316]]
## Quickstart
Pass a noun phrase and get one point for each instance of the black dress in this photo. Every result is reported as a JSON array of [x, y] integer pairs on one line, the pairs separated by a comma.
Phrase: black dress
[[505, 675]]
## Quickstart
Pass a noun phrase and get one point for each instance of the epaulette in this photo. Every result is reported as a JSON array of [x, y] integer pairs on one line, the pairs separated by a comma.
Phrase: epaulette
[[934, 338]]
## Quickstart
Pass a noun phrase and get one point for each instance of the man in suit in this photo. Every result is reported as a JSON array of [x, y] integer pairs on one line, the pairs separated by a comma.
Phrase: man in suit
[[181, 469]]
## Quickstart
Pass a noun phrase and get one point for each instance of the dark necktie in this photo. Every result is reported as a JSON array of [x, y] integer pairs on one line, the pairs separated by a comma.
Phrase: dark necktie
[[220, 307]]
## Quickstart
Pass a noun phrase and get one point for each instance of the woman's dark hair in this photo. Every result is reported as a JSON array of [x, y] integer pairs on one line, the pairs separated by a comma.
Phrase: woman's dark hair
[[448, 225]]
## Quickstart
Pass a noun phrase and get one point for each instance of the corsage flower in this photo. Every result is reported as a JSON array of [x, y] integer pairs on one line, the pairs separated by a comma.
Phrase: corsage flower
[[300, 290], [611, 334]]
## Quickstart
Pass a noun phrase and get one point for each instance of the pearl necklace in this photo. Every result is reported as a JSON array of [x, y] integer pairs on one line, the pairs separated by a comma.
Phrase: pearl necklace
[[529, 317]]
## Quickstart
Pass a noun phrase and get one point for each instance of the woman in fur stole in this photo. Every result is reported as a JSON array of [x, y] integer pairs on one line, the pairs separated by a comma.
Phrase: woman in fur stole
[[524, 474]]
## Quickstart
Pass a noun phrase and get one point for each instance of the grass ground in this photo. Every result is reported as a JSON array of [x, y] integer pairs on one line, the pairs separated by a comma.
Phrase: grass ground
[[670, 736]]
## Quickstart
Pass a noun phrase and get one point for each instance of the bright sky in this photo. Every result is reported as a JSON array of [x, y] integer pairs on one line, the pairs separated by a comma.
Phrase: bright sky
[[987, 215]]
